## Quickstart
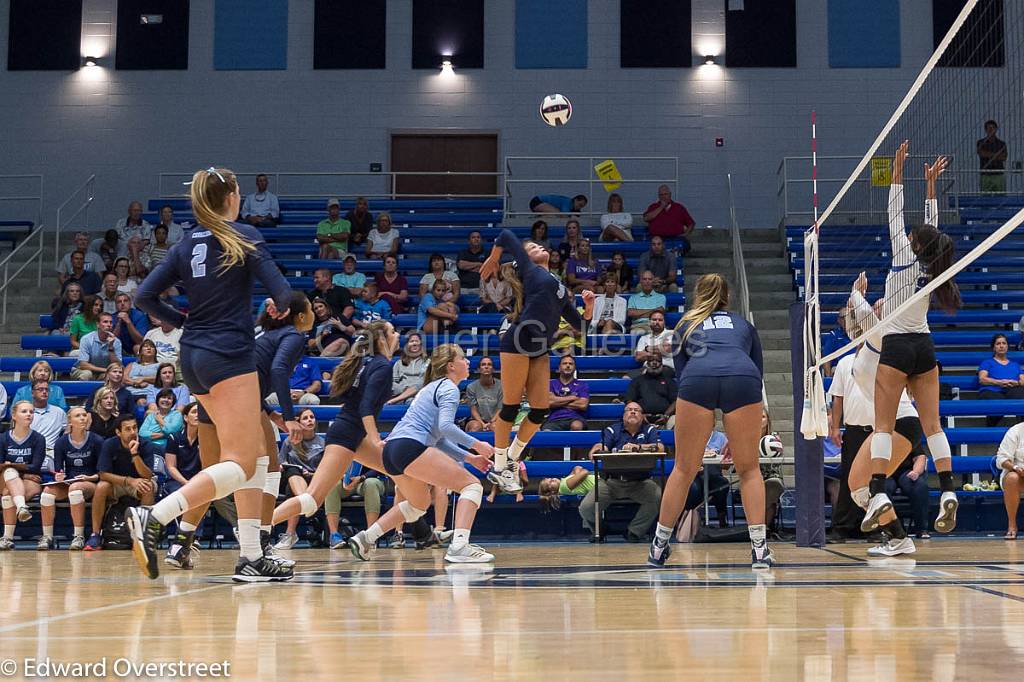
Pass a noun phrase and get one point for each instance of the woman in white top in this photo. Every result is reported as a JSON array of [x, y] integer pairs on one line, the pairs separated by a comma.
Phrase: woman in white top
[[383, 239], [1010, 462], [496, 293], [616, 224], [438, 270], [609, 309], [407, 373], [126, 283]]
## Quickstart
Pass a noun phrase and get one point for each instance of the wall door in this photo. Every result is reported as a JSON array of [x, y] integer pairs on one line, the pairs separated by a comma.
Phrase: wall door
[[432, 152]]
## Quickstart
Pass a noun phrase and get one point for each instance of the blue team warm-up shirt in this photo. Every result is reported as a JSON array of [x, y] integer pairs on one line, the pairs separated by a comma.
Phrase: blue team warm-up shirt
[[77, 459], [31, 452], [723, 345], [276, 353]]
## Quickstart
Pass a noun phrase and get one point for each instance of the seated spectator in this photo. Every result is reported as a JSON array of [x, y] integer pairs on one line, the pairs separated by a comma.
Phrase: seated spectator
[[156, 251], [41, 371], [109, 247], [774, 483], [126, 470], [86, 321], [657, 341], [622, 271], [407, 374], [384, 239], [332, 233], [93, 262], [483, 398], [668, 218], [305, 385], [167, 379], [89, 281], [438, 270], [393, 287], [65, 307], [97, 350], [567, 340], [558, 203], [581, 272], [496, 293], [338, 298], [76, 454], [609, 309], [635, 486], [261, 208], [910, 478], [641, 305], [655, 393], [360, 481], [108, 293], [332, 334], [578, 483], [104, 413], [662, 264], [349, 278], [173, 230], [539, 234], [836, 339], [299, 461], [24, 451], [617, 223], [435, 315], [371, 307], [362, 223], [162, 421], [1000, 378], [573, 235], [130, 324], [114, 382], [133, 225], [136, 249], [1010, 462], [556, 266], [570, 399], [49, 421], [524, 479], [469, 261], [181, 455], [167, 339], [717, 448], [141, 374]]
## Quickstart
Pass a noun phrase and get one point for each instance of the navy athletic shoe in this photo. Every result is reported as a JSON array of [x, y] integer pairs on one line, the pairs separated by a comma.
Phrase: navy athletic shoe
[[263, 570], [146, 533]]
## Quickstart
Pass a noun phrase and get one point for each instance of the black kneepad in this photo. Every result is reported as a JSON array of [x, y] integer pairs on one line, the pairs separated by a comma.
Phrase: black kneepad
[[538, 415], [508, 413]]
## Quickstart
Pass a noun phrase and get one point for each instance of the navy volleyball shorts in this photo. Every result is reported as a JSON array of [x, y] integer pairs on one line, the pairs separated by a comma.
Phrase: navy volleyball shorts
[[203, 369], [400, 453], [724, 393], [346, 433]]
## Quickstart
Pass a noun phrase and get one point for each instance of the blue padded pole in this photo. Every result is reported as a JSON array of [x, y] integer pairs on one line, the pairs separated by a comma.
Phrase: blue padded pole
[[809, 455]]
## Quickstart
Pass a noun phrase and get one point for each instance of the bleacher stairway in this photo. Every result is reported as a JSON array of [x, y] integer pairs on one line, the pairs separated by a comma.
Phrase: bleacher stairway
[[25, 301]]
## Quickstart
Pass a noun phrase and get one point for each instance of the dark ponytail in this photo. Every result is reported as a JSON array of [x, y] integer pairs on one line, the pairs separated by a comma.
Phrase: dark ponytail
[[936, 252], [297, 305], [366, 343]]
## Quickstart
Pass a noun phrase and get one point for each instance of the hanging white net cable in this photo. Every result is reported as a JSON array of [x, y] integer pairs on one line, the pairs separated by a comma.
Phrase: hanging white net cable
[[975, 75]]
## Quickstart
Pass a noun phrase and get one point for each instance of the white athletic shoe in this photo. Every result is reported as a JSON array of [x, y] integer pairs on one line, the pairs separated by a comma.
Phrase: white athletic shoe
[[893, 547], [507, 480], [6, 544], [946, 521], [877, 505], [360, 545], [45, 543], [468, 554], [77, 543], [24, 514], [286, 541]]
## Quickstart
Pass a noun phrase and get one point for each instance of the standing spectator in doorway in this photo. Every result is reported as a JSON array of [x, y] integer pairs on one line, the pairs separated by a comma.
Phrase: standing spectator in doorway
[[392, 285], [133, 225], [570, 399], [668, 218], [1000, 378], [483, 397], [332, 233], [361, 221], [174, 231], [469, 261], [383, 240], [261, 208], [617, 223], [992, 156], [662, 264]]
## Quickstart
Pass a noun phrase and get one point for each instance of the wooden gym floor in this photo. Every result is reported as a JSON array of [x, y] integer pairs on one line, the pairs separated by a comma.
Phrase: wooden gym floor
[[555, 611]]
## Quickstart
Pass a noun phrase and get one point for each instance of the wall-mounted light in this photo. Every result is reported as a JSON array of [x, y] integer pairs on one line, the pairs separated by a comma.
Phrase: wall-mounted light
[[709, 60], [88, 61], [447, 68]]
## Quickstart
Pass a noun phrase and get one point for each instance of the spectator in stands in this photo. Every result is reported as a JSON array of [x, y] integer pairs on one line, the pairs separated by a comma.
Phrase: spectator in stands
[[126, 283], [992, 157], [524, 479], [90, 281], [97, 350], [622, 271], [93, 262], [567, 341], [359, 481], [337, 297], [85, 321], [496, 293], [642, 304], [167, 340], [166, 378], [636, 486], [332, 334], [834, 340], [581, 272], [141, 374], [130, 324], [126, 470], [407, 374], [662, 264], [1000, 378], [717, 449], [393, 287], [384, 239], [570, 399], [362, 223], [173, 230], [556, 266], [655, 393], [438, 270], [109, 247], [539, 234], [25, 479], [65, 307], [162, 421], [483, 397], [108, 293], [609, 309], [49, 421], [104, 413], [774, 483], [156, 251], [667, 218], [573, 234], [136, 250], [911, 478], [349, 278], [304, 385], [371, 307], [299, 461], [332, 233], [617, 223], [261, 208], [115, 382], [436, 315], [558, 203], [41, 371], [1010, 462], [578, 483], [657, 341], [469, 261], [133, 225]]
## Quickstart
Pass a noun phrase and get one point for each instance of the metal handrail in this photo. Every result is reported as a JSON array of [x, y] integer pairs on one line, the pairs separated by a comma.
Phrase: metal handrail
[[89, 184], [37, 198], [8, 278], [738, 262]]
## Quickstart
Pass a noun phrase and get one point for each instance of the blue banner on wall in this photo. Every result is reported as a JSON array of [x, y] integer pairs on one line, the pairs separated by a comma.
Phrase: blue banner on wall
[[863, 34], [551, 35], [250, 35]]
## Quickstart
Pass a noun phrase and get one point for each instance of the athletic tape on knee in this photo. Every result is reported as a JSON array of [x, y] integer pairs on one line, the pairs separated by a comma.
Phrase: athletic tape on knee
[[10, 474], [537, 415], [881, 446], [861, 497], [939, 446], [307, 504], [76, 497], [508, 413], [6, 502], [410, 513], [473, 492], [47, 500], [227, 477], [272, 484], [259, 476]]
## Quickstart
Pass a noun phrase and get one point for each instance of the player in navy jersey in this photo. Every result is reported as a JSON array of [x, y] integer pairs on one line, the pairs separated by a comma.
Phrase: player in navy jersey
[[426, 449], [718, 365], [362, 381], [22, 452], [218, 263], [540, 301], [75, 455]]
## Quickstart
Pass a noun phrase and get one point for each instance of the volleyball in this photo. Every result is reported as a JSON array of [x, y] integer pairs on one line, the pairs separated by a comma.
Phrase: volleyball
[[770, 446], [556, 110]]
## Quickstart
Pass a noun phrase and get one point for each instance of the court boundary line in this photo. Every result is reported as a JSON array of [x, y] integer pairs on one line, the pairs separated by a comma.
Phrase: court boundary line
[[994, 593]]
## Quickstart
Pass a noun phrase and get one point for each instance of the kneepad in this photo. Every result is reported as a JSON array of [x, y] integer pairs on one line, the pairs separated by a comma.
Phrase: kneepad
[[6, 501], [47, 500], [308, 505], [861, 497], [227, 477], [410, 513], [473, 492], [537, 415], [10, 474], [508, 413], [259, 477], [76, 497], [272, 484]]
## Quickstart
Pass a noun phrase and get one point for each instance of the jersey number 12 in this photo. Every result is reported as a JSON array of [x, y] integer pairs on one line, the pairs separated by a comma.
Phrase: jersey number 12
[[717, 322]]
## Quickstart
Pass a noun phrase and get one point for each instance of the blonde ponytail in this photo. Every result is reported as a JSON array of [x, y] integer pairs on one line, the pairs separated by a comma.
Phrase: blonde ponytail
[[709, 296], [509, 274], [439, 359], [210, 188]]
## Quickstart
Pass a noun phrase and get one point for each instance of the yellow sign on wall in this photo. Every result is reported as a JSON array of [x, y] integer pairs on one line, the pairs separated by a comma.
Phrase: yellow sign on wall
[[881, 171], [609, 173]]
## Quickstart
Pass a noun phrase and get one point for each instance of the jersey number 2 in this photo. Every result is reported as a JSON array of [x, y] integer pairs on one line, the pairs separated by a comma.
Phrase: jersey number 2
[[199, 261]]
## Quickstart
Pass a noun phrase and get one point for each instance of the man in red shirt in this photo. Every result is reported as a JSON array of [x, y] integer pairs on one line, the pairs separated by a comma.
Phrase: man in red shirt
[[667, 218]]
